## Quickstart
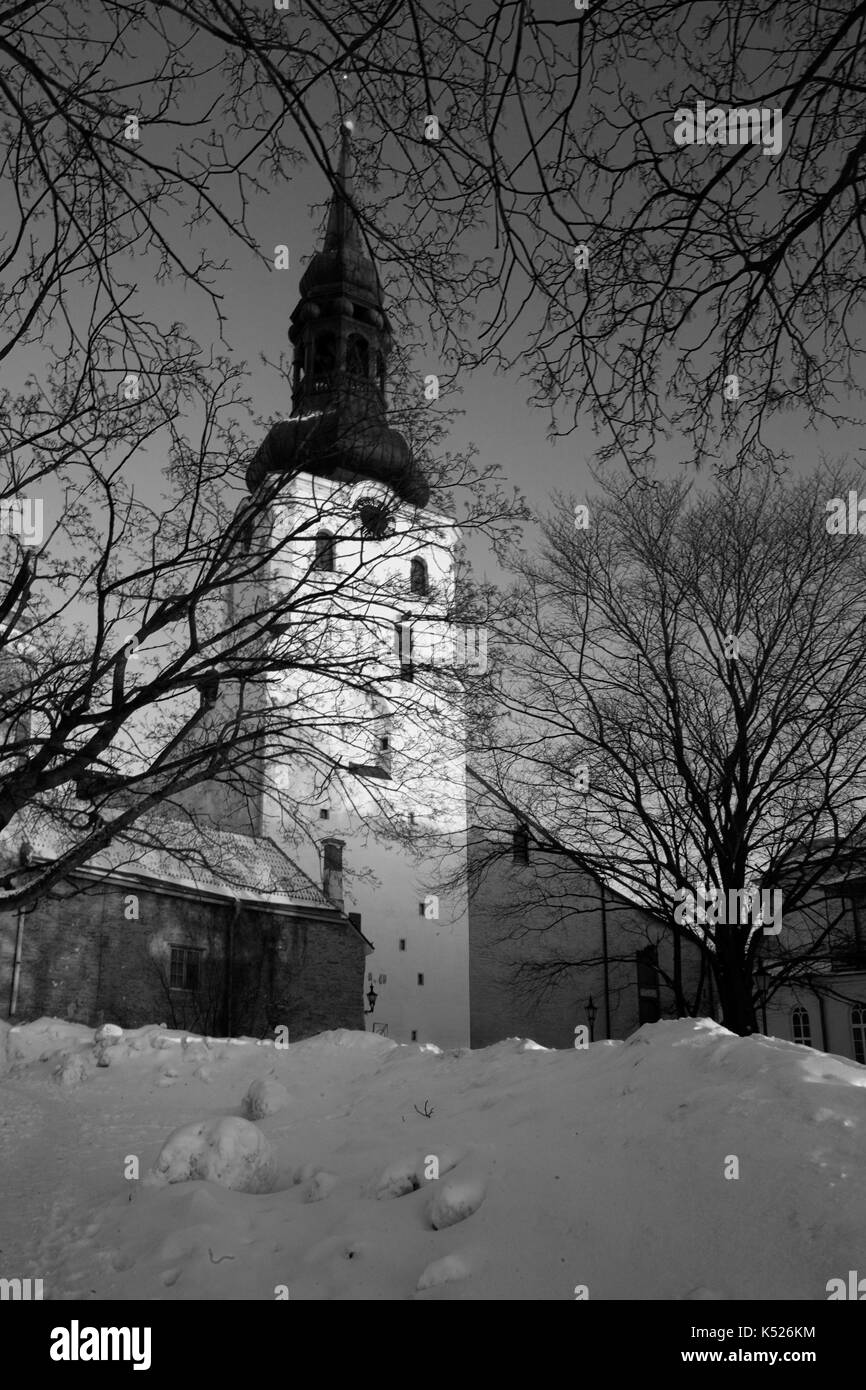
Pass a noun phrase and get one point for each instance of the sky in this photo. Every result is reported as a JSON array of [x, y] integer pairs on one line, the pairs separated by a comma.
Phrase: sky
[[258, 300]]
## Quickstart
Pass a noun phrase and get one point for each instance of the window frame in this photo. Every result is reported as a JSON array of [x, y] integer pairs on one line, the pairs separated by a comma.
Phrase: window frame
[[798, 1014], [190, 955], [648, 990]]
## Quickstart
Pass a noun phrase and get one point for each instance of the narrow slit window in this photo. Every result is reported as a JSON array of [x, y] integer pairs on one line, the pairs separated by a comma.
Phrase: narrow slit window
[[520, 845], [326, 552]]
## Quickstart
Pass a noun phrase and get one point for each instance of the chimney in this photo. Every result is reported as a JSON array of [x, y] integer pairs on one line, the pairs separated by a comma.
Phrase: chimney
[[332, 871]]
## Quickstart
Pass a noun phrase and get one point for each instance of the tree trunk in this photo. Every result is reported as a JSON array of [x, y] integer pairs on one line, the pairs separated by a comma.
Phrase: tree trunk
[[734, 983]]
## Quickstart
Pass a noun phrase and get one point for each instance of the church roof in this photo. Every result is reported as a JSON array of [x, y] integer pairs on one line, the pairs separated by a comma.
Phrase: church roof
[[174, 851], [338, 439]]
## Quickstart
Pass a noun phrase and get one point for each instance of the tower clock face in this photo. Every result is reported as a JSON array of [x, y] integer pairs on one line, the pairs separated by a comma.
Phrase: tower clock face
[[376, 518]]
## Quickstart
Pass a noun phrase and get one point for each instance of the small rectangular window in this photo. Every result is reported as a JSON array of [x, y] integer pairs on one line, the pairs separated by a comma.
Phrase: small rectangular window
[[414, 1034], [402, 943], [184, 967], [649, 1002], [324, 815], [383, 753], [420, 979], [647, 973]]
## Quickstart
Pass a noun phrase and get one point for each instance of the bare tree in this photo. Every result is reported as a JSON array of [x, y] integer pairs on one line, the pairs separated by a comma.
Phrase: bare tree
[[136, 668], [133, 667], [526, 196], [679, 708]]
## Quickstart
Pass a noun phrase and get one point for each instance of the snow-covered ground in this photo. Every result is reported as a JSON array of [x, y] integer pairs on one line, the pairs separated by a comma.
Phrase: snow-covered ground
[[603, 1167]]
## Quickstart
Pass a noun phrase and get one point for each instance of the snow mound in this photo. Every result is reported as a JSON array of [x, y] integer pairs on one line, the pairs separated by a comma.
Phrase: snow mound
[[72, 1069], [409, 1173], [321, 1186], [455, 1199], [107, 1030], [105, 1039], [345, 1038], [444, 1271], [266, 1096], [228, 1151]]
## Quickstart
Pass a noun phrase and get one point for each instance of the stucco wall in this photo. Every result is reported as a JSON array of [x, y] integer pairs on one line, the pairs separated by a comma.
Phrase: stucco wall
[[526, 915]]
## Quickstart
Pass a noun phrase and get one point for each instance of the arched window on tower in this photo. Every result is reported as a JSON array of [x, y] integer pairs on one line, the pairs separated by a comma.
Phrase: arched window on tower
[[418, 579], [358, 356], [297, 369], [326, 552], [324, 356]]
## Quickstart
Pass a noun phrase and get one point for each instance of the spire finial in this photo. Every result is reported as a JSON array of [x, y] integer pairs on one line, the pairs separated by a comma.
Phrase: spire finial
[[342, 230]]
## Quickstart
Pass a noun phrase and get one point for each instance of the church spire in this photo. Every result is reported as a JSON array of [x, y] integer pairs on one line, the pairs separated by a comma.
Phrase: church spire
[[339, 329], [341, 339], [342, 228]]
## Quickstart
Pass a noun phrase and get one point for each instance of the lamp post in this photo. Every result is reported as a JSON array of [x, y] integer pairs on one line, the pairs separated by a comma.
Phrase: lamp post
[[372, 996], [591, 1016]]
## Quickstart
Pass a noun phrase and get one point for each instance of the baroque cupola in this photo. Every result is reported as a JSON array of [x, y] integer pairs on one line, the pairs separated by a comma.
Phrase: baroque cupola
[[341, 341]]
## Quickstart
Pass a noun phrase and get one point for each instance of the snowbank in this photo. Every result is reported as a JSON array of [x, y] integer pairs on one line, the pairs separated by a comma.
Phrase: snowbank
[[641, 1169]]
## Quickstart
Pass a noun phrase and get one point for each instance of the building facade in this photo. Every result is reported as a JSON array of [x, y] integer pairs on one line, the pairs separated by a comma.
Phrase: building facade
[[552, 949], [143, 934], [821, 1001], [365, 563]]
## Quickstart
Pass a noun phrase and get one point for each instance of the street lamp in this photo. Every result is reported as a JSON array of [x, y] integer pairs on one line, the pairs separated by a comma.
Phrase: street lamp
[[591, 1016], [372, 996]]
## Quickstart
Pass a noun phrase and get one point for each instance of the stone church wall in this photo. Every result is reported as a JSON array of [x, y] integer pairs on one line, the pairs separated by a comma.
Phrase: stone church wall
[[86, 958]]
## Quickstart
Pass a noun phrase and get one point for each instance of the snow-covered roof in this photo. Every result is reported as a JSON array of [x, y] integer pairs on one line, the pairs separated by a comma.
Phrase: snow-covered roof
[[175, 851]]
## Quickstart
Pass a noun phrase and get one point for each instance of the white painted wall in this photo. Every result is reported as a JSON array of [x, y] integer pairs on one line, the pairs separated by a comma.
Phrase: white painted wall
[[385, 877]]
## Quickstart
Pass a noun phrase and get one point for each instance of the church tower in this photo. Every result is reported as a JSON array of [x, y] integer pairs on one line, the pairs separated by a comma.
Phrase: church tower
[[369, 563]]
